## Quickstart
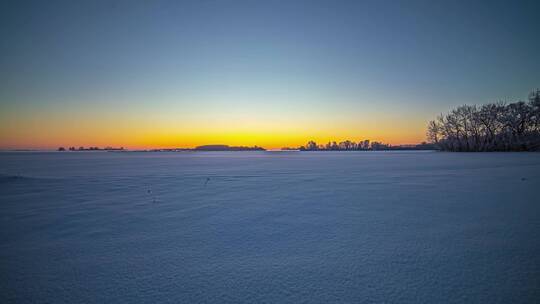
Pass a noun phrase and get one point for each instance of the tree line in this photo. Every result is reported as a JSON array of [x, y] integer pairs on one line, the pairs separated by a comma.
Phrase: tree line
[[362, 145], [342, 146], [489, 127]]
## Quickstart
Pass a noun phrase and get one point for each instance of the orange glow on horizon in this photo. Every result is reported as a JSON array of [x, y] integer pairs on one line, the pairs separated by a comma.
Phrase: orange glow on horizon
[[159, 140], [42, 130]]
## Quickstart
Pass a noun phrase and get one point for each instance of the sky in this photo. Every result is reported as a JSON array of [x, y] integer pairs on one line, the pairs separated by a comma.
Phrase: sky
[[164, 74]]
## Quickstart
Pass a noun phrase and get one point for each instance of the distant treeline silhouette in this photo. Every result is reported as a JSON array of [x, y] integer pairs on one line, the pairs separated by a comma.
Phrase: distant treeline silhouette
[[363, 145], [91, 149], [490, 127]]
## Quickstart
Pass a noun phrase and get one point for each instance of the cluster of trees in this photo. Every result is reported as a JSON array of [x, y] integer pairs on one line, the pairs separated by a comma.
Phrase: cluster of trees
[[346, 145], [363, 145], [490, 127], [342, 146]]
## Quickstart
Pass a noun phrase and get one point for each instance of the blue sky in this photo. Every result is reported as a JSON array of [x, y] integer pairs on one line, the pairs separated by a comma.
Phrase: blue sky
[[326, 66]]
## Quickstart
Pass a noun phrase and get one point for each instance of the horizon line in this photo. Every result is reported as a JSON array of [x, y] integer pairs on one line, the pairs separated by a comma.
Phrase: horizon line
[[127, 147]]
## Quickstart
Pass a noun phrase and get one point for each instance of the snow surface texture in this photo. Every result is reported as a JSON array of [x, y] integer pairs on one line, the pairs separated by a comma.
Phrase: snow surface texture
[[270, 227]]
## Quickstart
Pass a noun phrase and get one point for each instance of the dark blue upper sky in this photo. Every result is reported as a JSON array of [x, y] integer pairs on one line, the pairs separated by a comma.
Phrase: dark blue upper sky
[[293, 57]]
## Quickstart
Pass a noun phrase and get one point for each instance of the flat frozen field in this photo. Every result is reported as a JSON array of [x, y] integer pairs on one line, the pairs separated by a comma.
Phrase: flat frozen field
[[270, 227]]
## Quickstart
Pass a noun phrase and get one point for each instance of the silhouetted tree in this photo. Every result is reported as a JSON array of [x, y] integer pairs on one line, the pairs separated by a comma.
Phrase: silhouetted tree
[[312, 146]]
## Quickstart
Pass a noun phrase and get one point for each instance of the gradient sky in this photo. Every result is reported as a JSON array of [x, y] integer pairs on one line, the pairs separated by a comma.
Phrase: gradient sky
[[272, 73]]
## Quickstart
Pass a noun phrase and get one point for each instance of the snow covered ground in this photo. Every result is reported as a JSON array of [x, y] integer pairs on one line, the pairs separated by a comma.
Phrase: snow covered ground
[[270, 227]]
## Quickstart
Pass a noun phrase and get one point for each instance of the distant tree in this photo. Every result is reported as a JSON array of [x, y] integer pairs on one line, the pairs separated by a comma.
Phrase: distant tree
[[433, 131], [534, 98], [61, 149], [534, 102], [312, 146], [346, 145], [365, 145]]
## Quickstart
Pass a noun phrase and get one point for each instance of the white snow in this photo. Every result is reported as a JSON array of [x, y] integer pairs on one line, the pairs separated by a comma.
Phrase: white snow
[[270, 227]]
